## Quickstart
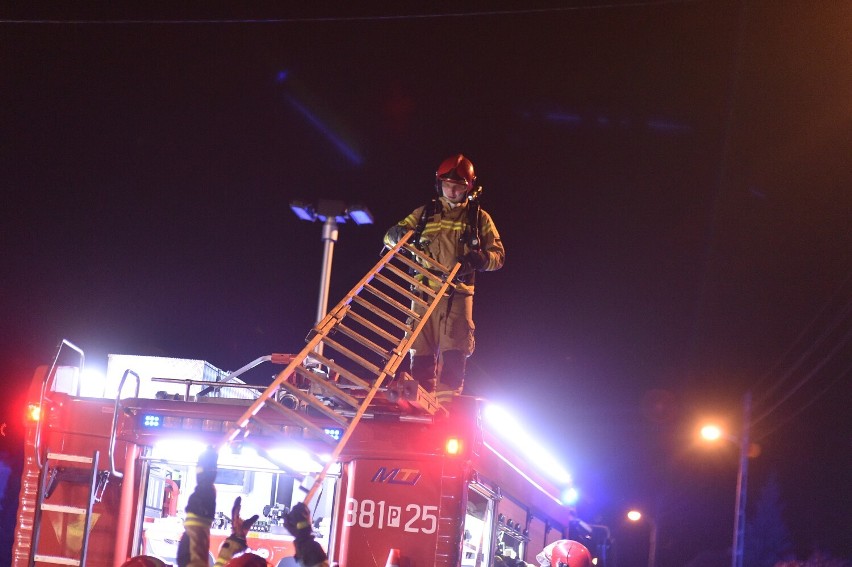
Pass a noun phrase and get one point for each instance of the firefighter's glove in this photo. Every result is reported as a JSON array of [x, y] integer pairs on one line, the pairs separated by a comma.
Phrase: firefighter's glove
[[394, 234], [473, 261], [240, 527], [205, 471], [298, 522]]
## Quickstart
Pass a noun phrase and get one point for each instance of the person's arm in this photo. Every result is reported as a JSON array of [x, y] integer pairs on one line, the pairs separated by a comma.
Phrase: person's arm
[[490, 256], [397, 231], [236, 542], [309, 553], [492, 245], [194, 546]]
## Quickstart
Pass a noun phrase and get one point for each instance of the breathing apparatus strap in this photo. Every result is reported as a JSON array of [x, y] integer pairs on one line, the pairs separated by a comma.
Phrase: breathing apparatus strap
[[473, 221], [428, 211]]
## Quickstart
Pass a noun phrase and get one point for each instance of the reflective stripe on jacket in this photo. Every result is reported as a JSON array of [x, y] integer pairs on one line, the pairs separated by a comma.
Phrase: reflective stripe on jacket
[[443, 237]]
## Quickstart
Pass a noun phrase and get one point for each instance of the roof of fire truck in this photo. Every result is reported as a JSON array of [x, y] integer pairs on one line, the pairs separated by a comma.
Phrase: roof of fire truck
[[191, 403]]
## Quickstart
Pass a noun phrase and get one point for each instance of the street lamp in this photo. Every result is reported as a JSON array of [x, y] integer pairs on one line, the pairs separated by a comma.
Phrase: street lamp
[[635, 516], [713, 433], [330, 213]]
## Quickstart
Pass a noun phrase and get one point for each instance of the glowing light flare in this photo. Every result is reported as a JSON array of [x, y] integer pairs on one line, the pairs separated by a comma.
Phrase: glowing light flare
[[711, 432], [326, 131], [178, 449], [570, 496], [508, 428], [453, 446], [33, 412], [634, 515], [93, 383], [297, 459]]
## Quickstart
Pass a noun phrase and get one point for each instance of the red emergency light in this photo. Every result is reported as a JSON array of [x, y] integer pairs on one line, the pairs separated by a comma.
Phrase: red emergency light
[[453, 446], [33, 412]]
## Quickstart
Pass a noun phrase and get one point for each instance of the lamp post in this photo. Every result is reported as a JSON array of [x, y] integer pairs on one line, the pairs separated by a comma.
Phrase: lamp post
[[712, 433], [330, 213], [635, 516]]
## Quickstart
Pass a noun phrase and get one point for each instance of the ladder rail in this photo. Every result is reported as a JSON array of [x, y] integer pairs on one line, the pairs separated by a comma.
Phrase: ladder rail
[[285, 374], [49, 378], [85, 511], [418, 289], [390, 368]]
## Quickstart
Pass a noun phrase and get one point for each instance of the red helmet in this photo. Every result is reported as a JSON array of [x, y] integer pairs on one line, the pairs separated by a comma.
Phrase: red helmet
[[247, 560], [570, 553], [143, 561], [456, 168]]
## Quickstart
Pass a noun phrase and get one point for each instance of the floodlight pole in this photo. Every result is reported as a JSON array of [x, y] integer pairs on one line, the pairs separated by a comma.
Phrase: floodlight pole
[[330, 213]]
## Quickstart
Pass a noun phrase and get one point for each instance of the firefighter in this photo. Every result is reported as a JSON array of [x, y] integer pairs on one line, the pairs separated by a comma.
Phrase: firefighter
[[194, 546], [247, 560], [564, 553], [452, 228], [143, 561]]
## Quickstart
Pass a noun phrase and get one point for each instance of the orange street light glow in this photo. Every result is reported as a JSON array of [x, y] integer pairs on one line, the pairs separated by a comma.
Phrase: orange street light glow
[[711, 432]]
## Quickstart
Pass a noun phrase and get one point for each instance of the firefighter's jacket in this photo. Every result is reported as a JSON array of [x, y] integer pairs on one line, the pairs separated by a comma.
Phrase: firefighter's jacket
[[447, 237]]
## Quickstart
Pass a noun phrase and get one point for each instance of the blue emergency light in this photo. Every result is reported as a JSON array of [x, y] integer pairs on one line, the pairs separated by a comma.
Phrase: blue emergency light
[[333, 432], [151, 420]]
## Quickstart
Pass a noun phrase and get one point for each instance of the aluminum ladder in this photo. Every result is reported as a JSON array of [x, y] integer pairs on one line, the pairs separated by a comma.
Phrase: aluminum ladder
[[369, 332], [50, 477]]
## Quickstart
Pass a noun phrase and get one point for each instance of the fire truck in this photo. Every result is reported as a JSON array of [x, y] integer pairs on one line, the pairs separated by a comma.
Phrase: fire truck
[[391, 476]]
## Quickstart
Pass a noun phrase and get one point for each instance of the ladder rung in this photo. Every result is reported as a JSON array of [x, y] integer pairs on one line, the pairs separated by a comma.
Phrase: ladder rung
[[413, 281], [63, 509], [55, 560], [373, 327], [386, 316], [362, 340], [318, 404], [389, 300], [303, 421], [401, 290], [423, 270], [432, 262], [69, 458], [342, 371], [352, 356]]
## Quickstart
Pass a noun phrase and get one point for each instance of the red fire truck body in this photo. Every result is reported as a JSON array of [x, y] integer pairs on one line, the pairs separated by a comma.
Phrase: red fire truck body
[[443, 490]]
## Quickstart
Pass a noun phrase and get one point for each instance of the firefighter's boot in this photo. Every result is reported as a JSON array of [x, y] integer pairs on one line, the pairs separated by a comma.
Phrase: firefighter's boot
[[423, 369]]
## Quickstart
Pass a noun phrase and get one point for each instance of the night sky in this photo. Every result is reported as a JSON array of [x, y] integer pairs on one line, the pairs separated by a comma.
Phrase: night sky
[[672, 182]]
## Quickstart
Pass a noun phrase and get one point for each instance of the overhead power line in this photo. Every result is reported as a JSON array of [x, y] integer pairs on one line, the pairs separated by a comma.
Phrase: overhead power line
[[308, 19], [828, 346]]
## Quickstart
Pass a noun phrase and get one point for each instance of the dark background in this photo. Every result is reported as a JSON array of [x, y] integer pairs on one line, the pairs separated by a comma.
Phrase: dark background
[[671, 181]]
